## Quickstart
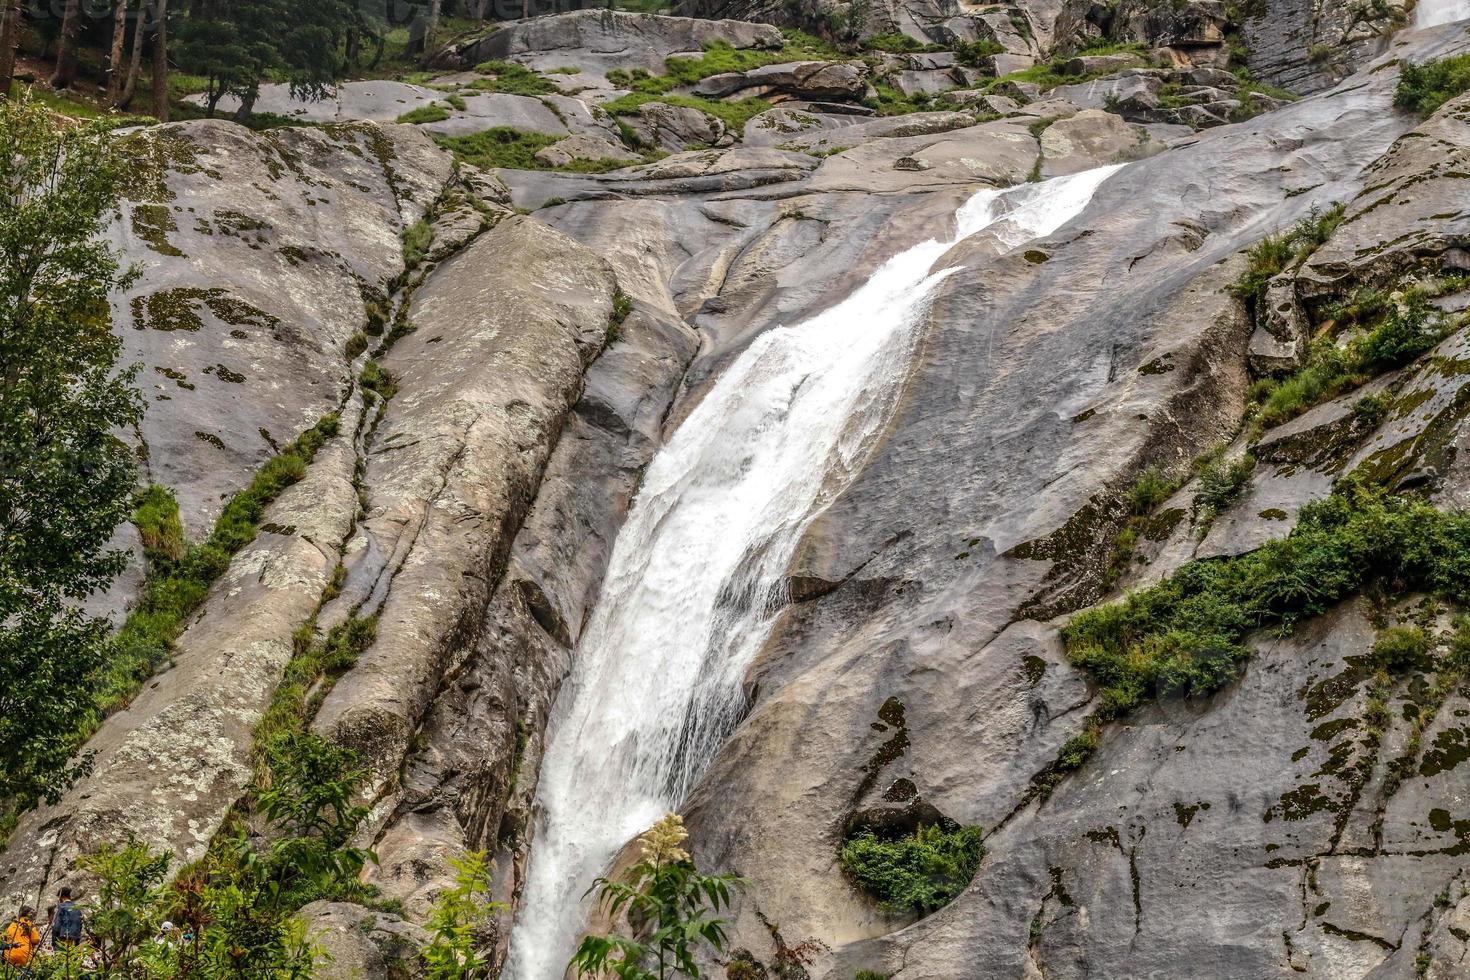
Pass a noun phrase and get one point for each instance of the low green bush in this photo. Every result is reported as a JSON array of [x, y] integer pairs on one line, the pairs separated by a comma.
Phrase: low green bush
[[1185, 636], [1400, 649], [1424, 88], [157, 520], [918, 874], [1220, 482]]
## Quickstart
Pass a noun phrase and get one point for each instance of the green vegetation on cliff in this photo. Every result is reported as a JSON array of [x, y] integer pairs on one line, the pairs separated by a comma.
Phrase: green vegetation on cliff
[[917, 873], [1424, 88], [1186, 635], [66, 479]]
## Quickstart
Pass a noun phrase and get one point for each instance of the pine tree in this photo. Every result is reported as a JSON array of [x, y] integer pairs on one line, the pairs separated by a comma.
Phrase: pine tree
[[66, 479]]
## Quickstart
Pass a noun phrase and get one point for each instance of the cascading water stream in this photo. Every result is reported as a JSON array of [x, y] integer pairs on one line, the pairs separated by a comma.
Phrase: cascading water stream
[[698, 571], [1432, 13]]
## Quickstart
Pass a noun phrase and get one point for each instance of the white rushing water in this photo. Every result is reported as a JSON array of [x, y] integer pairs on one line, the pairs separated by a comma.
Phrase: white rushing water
[[1431, 13], [697, 573]]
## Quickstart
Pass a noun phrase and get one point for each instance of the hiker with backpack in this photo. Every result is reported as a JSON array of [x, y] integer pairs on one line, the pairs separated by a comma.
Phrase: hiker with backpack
[[22, 939], [66, 924]]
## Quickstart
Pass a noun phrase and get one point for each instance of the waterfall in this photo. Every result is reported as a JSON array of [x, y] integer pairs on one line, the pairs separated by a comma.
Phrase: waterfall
[[1432, 13], [698, 571]]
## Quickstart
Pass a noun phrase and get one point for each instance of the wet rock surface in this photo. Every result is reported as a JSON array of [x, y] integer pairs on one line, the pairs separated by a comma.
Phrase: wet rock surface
[[1253, 834]]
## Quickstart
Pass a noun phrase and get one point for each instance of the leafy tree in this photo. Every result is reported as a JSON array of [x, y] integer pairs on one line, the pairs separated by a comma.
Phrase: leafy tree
[[66, 479], [236, 44], [460, 919], [669, 904]]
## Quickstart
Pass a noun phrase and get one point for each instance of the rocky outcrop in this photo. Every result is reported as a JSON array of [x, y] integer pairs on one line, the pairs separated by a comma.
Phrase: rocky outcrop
[[595, 42], [1307, 46], [503, 333], [941, 564]]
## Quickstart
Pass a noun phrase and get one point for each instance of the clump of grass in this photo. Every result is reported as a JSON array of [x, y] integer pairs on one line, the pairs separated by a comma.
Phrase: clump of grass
[[376, 379], [1220, 482], [515, 149], [974, 53], [918, 873], [307, 680], [511, 79], [1273, 254], [157, 519], [416, 243], [1400, 649], [356, 344], [622, 305], [424, 114], [1151, 488], [1185, 636], [1410, 328], [1424, 88]]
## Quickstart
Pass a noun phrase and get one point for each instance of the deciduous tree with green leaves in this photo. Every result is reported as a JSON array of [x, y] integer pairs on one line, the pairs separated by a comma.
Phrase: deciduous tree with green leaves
[[670, 905], [66, 478]]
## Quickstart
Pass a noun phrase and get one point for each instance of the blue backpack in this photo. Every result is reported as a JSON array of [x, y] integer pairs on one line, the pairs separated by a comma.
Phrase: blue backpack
[[68, 923]]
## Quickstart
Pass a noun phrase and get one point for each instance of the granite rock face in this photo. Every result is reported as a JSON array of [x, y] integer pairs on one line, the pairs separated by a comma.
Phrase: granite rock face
[[535, 362]]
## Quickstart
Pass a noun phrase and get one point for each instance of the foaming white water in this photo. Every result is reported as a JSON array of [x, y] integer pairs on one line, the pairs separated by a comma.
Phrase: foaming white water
[[698, 571], [1431, 13]]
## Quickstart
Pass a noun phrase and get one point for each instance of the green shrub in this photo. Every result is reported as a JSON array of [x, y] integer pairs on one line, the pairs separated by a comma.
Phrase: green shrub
[[1185, 636], [1274, 253], [1404, 334], [177, 586], [870, 975], [1410, 328], [1424, 88], [1150, 489], [356, 344], [1219, 483], [974, 53], [375, 378], [917, 874], [1400, 649]]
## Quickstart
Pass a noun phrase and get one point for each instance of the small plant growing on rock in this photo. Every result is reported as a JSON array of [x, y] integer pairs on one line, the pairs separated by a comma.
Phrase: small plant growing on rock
[[669, 902], [916, 874], [460, 920]]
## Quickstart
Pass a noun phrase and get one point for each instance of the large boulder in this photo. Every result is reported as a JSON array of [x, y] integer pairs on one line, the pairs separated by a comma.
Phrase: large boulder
[[676, 128], [822, 80], [1084, 141]]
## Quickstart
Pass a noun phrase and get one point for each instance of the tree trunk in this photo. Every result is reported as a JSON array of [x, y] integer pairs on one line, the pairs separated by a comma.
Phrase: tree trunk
[[432, 30], [116, 71], [160, 64], [9, 41], [135, 63], [66, 50]]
